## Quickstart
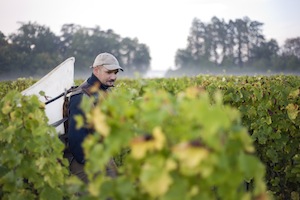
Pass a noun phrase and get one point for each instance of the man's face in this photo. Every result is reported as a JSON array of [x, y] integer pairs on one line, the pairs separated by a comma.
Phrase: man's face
[[106, 77]]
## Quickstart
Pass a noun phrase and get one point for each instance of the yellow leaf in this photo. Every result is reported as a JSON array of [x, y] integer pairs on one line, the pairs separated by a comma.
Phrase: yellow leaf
[[170, 165], [79, 121], [268, 120], [93, 189], [138, 148], [294, 94], [190, 156], [13, 115], [159, 138], [94, 88], [292, 110], [194, 190], [218, 97], [155, 181], [42, 106], [6, 108], [99, 122], [193, 92], [159, 186]]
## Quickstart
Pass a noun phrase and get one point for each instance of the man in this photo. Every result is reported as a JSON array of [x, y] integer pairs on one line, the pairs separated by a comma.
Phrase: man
[[105, 70]]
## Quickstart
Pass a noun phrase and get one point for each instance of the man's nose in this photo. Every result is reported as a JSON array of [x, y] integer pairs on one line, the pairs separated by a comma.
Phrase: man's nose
[[113, 76]]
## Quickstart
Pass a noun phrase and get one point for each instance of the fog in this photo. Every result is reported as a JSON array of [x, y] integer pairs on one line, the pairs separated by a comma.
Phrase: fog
[[165, 74], [223, 72]]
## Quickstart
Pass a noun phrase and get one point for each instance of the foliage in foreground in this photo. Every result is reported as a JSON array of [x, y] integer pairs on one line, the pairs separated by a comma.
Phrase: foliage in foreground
[[186, 146], [269, 106], [31, 161], [172, 152]]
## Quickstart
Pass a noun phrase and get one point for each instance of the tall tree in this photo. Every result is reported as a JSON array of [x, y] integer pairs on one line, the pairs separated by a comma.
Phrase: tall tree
[[34, 38], [198, 44], [142, 58], [256, 38], [134, 56], [263, 55], [289, 59], [85, 43], [219, 40], [230, 42], [240, 34], [37, 47], [265, 50], [222, 43], [67, 34], [196, 39], [6, 55], [292, 47]]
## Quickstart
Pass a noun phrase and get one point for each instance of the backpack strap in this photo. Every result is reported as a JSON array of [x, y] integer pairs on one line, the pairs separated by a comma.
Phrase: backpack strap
[[83, 88], [62, 94], [74, 90], [59, 122], [67, 95]]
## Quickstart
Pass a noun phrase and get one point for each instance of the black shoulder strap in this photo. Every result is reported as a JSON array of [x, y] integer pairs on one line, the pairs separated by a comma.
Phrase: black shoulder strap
[[62, 94], [83, 88], [59, 122], [73, 90]]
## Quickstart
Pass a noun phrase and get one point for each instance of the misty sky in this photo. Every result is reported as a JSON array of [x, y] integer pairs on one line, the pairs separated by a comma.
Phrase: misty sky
[[161, 24]]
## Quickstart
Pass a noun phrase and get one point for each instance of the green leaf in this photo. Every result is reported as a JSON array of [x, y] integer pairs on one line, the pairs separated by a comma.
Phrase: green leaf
[[155, 178], [50, 193], [42, 93]]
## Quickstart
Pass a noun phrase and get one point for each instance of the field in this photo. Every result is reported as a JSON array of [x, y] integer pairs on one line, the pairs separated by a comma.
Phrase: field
[[203, 137]]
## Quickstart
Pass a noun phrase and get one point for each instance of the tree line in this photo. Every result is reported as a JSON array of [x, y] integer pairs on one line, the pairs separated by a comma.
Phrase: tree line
[[35, 49], [237, 44]]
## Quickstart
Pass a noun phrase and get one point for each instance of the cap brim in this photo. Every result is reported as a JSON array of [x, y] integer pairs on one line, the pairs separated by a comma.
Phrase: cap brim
[[113, 67], [109, 67]]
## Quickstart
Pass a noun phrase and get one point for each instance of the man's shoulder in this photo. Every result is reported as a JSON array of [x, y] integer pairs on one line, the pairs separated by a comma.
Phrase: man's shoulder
[[79, 90], [75, 97]]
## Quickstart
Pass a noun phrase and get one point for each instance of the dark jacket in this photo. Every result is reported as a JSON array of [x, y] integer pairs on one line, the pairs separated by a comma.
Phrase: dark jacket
[[76, 136]]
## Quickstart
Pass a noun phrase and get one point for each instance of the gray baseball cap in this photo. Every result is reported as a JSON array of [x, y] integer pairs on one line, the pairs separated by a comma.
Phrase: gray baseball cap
[[107, 60]]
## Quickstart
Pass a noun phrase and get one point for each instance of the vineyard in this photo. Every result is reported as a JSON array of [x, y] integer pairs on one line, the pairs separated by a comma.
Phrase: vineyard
[[203, 137]]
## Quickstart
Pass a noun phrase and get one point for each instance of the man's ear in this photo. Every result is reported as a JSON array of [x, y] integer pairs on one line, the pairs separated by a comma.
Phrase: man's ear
[[96, 70]]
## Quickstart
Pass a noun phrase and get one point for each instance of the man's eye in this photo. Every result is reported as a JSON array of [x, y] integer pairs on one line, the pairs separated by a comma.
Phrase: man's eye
[[112, 72]]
